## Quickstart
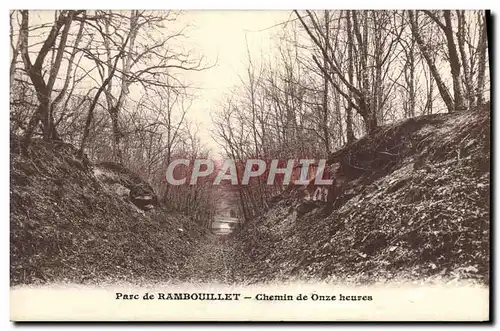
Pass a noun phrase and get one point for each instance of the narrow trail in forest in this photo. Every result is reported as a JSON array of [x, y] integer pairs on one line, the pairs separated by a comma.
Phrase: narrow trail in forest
[[210, 262]]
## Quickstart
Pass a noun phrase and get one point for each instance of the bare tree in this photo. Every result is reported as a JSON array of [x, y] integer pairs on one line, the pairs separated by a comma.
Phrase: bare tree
[[34, 70], [147, 62], [482, 48], [443, 90]]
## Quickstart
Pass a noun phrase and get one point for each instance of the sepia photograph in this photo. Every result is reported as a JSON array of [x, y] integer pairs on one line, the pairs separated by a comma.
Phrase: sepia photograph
[[250, 165]]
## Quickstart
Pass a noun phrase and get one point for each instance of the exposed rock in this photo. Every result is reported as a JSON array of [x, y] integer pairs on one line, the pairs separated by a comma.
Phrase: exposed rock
[[127, 184], [121, 190], [305, 207], [143, 196]]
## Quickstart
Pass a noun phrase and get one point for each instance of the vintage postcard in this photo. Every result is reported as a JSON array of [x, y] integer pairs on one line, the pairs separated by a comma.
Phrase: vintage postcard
[[286, 165]]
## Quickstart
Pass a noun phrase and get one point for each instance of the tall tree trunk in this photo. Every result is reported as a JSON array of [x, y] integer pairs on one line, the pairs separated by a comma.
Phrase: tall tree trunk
[[365, 100], [338, 110], [49, 131], [324, 124], [114, 108], [371, 122], [482, 47], [54, 104], [117, 152], [350, 73], [454, 63], [378, 97], [15, 49], [409, 75], [430, 94], [469, 90], [411, 81], [90, 114], [34, 71]]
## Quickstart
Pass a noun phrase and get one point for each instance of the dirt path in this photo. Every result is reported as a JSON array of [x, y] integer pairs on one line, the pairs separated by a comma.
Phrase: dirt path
[[209, 263]]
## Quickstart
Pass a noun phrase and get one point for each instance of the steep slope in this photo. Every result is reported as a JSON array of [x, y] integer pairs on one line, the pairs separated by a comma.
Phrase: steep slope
[[410, 201], [73, 222]]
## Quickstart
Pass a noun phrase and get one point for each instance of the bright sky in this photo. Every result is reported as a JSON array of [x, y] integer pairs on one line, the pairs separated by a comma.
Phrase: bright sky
[[221, 36]]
